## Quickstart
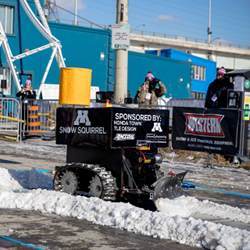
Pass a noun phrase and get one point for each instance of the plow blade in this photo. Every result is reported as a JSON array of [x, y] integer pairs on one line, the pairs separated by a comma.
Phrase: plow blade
[[169, 186]]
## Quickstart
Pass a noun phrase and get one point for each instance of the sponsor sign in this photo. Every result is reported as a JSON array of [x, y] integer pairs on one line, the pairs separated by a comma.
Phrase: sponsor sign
[[75, 126], [113, 127], [139, 127], [211, 130], [204, 125], [120, 36]]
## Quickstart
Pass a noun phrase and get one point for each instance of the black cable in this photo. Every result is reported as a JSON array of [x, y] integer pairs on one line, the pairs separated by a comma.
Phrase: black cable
[[80, 17]]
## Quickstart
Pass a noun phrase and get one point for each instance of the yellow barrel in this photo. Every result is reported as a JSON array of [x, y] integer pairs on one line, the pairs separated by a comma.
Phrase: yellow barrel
[[75, 86]]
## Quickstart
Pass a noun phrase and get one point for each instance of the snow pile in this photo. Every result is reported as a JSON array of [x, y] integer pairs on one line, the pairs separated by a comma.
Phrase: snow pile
[[173, 222], [8, 182], [190, 206], [188, 231], [17, 180]]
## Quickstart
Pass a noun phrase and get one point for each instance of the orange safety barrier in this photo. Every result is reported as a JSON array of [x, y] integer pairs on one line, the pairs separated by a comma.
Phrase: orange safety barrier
[[33, 120]]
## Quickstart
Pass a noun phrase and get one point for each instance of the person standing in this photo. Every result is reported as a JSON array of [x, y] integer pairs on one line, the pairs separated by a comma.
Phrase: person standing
[[216, 96], [149, 92], [27, 92]]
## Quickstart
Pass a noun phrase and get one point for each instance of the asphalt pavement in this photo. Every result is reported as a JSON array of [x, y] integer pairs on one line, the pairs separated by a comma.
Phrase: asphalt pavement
[[33, 230]]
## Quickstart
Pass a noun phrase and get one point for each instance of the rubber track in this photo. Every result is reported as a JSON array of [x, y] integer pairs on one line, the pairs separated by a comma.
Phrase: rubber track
[[108, 181]]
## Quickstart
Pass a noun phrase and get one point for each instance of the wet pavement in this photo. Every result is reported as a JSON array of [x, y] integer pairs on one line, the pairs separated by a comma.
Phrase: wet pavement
[[21, 228]]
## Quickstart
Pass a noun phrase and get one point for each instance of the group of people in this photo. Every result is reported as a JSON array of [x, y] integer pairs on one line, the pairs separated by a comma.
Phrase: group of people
[[216, 96], [152, 88]]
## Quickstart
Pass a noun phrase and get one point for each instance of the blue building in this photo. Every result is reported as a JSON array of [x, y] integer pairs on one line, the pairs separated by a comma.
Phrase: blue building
[[203, 70], [83, 47], [174, 74]]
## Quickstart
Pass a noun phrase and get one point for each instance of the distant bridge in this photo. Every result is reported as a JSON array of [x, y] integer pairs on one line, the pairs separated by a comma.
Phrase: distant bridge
[[227, 55]]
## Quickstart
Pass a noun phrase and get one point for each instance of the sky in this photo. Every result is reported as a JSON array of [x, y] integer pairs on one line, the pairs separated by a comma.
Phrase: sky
[[189, 18]]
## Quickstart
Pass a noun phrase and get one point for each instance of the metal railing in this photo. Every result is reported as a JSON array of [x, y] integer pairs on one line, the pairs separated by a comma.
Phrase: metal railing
[[186, 39], [29, 118], [39, 117], [10, 118]]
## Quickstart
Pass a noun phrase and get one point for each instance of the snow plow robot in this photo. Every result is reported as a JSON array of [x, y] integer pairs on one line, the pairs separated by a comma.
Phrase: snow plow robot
[[112, 153]]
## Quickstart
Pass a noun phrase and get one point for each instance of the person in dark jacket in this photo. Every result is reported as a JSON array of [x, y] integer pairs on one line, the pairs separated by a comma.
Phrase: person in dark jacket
[[27, 92], [27, 95], [216, 96]]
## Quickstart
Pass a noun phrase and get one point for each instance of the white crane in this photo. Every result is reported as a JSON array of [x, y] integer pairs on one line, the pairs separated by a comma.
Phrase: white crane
[[43, 27]]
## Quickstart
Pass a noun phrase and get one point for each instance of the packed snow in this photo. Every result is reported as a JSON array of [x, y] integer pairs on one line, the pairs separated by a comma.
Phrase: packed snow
[[190, 206], [176, 220]]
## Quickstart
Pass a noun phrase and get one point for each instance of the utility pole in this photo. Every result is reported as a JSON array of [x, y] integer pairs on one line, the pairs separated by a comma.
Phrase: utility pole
[[75, 12], [121, 69], [209, 31]]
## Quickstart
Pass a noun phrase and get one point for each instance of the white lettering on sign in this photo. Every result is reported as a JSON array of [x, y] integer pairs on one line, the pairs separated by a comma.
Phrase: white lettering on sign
[[137, 117], [67, 130], [124, 137], [82, 118], [157, 127], [204, 125]]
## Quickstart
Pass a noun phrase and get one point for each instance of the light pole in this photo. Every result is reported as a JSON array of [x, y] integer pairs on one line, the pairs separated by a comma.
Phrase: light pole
[[121, 68], [209, 31], [75, 12]]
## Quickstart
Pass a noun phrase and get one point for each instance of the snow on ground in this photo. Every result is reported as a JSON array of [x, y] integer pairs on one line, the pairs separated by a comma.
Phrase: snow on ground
[[190, 206], [18, 180], [175, 221]]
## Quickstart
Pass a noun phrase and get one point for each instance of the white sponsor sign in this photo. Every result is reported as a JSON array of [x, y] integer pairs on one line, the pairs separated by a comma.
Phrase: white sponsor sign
[[120, 36]]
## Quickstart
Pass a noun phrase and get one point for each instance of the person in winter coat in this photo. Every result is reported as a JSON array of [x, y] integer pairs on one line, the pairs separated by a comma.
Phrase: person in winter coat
[[216, 96], [149, 92], [27, 92]]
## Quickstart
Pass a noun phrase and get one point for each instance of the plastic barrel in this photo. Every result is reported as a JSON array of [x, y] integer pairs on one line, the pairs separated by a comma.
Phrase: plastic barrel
[[75, 86]]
